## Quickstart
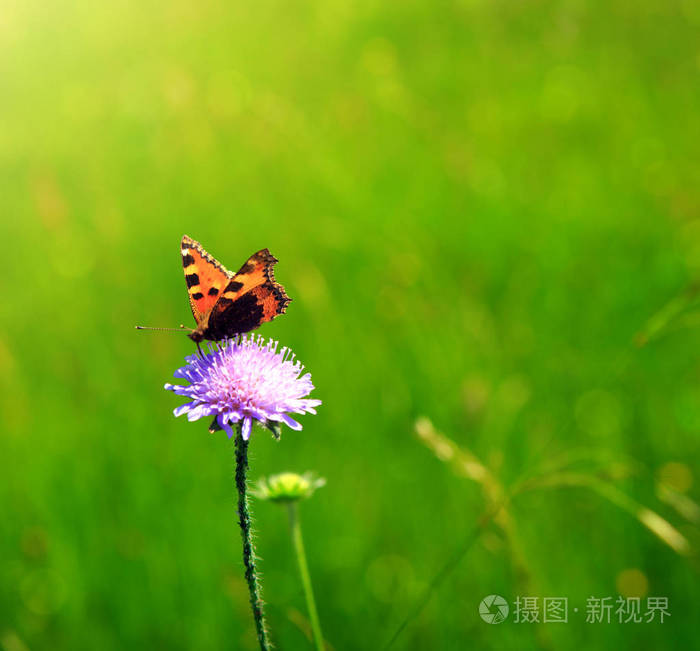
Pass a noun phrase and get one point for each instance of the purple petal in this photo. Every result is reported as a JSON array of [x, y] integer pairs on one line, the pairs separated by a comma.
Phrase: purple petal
[[290, 422], [224, 424], [257, 413], [198, 412], [180, 390], [182, 409]]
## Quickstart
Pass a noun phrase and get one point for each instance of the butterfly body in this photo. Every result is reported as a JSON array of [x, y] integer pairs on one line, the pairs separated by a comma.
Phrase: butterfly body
[[225, 304]]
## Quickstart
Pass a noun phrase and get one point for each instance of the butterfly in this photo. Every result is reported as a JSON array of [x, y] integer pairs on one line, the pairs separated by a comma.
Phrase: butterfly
[[226, 304]]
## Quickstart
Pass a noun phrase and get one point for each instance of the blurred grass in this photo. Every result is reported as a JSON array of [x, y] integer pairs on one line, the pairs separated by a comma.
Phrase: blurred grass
[[478, 209]]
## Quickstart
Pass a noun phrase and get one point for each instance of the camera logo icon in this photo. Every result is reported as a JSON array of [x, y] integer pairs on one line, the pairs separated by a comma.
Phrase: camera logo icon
[[493, 609]]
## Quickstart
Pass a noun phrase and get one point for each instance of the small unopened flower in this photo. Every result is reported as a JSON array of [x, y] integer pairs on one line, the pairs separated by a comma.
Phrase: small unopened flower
[[288, 487], [245, 379]]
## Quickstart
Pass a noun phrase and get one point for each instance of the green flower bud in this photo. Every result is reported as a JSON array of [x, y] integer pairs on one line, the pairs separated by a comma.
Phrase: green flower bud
[[287, 487]]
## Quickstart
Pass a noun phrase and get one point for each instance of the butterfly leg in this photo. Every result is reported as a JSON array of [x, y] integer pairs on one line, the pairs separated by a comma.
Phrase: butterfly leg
[[201, 352]]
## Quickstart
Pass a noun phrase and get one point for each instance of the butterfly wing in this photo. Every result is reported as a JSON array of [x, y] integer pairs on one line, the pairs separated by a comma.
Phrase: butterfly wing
[[251, 297], [206, 278]]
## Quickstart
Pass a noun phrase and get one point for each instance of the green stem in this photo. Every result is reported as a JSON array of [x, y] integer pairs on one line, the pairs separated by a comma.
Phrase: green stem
[[298, 541], [251, 574]]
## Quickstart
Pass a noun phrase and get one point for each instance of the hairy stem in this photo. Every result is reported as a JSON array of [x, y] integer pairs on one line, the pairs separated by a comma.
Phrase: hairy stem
[[251, 575], [298, 541]]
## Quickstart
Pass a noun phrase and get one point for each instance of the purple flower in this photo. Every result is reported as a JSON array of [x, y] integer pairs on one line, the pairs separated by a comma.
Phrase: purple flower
[[245, 379]]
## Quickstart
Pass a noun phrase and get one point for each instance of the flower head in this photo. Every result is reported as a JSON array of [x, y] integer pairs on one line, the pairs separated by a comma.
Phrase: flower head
[[245, 379], [288, 486]]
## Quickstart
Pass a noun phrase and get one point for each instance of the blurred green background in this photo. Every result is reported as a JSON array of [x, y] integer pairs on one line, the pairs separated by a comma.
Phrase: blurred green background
[[487, 215]]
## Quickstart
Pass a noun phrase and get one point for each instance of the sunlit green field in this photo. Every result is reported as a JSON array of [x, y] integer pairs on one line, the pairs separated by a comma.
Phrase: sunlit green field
[[487, 215]]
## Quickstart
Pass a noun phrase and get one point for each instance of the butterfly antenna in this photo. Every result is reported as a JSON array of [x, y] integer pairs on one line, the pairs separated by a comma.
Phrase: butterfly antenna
[[180, 329]]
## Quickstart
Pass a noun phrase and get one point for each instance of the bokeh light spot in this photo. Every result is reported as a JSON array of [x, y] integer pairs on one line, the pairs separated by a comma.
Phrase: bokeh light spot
[[632, 583]]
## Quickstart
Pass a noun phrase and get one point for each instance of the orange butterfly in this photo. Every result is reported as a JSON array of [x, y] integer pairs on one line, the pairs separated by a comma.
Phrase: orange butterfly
[[225, 304]]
